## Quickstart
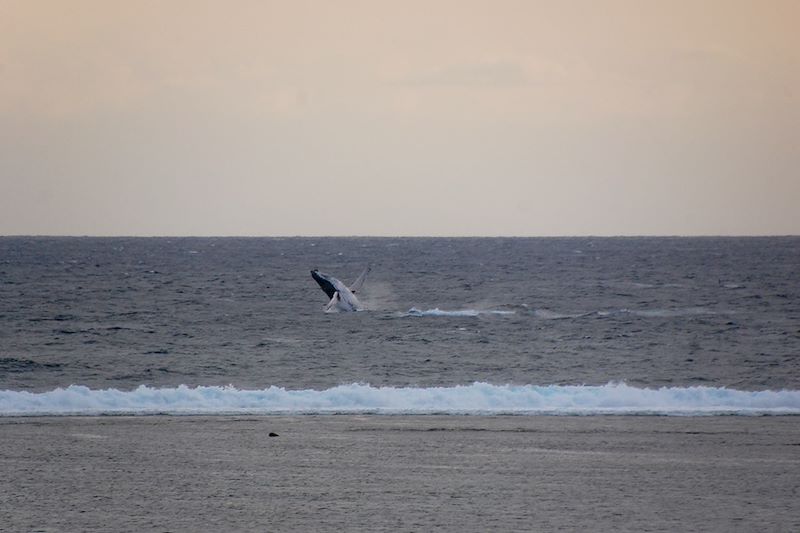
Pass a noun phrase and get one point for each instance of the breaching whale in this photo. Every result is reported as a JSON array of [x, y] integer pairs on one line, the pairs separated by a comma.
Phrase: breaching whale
[[343, 298]]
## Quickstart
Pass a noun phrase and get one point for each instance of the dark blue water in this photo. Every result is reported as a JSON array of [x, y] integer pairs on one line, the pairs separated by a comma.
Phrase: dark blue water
[[648, 312]]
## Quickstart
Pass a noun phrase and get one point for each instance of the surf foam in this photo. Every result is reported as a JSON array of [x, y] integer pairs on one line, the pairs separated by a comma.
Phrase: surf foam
[[474, 399], [455, 313]]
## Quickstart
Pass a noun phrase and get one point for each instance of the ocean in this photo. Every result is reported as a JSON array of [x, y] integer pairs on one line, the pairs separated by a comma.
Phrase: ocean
[[586, 359], [493, 325]]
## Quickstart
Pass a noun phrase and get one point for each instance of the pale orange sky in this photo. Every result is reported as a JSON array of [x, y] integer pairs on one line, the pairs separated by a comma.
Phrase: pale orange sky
[[399, 118]]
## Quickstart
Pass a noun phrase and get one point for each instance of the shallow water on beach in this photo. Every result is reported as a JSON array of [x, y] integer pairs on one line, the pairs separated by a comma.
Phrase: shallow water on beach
[[400, 473]]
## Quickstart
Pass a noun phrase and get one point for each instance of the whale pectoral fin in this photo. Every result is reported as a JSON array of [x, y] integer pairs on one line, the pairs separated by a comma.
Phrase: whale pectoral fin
[[356, 286], [332, 305]]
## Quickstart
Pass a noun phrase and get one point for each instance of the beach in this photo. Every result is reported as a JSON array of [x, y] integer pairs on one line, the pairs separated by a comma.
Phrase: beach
[[400, 473]]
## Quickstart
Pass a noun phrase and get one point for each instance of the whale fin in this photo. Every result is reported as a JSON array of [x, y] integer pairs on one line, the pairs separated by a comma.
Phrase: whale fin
[[357, 284], [333, 305]]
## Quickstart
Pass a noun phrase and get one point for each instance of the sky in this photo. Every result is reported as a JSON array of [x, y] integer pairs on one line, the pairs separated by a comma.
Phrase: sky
[[441, 118]]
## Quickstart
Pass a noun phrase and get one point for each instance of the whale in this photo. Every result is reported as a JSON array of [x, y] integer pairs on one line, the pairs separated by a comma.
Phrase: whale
[[342, 297]]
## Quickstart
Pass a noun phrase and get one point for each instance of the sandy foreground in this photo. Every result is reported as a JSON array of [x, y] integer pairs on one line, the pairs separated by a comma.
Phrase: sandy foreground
[[400, 473]]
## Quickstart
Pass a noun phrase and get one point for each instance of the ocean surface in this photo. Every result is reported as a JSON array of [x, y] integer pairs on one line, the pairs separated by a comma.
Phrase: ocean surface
[[558, 326]]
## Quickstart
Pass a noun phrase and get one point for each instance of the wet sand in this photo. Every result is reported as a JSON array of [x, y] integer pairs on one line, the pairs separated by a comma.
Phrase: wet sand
[[400, 473]]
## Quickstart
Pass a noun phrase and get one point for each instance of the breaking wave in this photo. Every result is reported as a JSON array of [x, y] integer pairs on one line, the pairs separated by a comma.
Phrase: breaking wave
[[474, 399]]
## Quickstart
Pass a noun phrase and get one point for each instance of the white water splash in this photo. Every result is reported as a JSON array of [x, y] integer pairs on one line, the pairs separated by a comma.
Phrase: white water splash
[[455, 313], [474, 399]]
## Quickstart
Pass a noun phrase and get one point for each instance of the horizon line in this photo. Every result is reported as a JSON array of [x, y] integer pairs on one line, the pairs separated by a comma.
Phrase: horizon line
[[364, 236]]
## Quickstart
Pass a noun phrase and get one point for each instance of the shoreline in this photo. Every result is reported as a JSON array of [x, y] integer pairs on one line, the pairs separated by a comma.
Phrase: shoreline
[[400, 472]]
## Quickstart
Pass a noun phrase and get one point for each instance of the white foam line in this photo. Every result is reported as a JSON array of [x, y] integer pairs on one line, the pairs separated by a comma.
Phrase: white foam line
[[455, 313], [477, 398]]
